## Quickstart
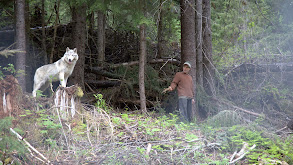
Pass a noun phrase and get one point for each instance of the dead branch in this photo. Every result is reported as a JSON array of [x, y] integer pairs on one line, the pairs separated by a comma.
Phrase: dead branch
[[29, 145], [244, 150], [239, 108], [131, 133], [289, 126], [9, 52], [148, 150], [103, 83], [153, 61], [101, 71]]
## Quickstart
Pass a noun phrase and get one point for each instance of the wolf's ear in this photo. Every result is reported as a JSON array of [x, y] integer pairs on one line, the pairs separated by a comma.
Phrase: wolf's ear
[[75, 50], [67, 49]]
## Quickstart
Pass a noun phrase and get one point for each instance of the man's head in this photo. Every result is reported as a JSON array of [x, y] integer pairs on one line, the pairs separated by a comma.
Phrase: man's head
[[186, 67]]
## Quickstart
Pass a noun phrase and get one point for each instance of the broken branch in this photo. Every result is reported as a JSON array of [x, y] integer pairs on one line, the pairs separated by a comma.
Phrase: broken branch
[[29, 145]]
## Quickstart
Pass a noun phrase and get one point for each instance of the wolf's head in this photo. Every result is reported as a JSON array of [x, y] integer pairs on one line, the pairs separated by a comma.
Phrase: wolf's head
[[71, 56]]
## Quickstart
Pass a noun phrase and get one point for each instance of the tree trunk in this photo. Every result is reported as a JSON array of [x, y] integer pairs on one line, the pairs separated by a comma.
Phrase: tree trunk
[[57, 5], [199, 57], [208, 69], [79, 38], [160, 31], [20, 38], [244, 30], [101, 40], [91, 38], [44, 33], [188, 38], [29, 73], [142, 58]]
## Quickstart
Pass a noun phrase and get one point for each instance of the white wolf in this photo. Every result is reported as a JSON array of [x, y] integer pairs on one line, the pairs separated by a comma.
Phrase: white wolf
[[59, 70]]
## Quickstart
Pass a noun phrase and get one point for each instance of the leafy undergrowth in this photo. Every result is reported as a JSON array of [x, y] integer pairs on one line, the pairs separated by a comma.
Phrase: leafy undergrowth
[[99, 135]]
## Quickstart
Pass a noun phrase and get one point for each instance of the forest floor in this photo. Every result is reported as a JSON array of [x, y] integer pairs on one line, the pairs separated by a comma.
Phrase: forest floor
[[62, 130]]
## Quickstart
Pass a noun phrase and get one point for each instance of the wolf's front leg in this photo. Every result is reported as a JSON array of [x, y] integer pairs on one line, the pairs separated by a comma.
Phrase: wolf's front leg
[[62, 79]]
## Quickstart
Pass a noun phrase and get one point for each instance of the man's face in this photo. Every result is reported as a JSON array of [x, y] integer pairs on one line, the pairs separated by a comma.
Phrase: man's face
[[186, 68]]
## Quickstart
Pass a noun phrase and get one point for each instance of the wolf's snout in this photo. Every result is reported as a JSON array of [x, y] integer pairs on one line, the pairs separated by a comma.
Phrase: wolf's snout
[[70, 60]]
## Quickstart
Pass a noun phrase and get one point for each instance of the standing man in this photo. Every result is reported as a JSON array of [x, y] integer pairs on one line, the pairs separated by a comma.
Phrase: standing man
[[183, 82]]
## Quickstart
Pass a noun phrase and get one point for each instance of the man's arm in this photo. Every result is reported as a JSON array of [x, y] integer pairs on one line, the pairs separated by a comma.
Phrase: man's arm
[[173, 84]]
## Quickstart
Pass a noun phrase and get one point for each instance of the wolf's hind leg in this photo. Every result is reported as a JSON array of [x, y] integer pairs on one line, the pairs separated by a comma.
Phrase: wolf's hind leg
[[47, 85], [37, 86]]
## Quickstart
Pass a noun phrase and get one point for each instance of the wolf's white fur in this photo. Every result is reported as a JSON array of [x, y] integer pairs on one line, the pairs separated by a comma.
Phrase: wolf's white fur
[[59, 70]]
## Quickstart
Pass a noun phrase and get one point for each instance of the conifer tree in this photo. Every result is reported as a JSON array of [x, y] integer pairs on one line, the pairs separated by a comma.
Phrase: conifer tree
[[20, 38], [208, 70], [199, 57], [79, 38], [188, 52]]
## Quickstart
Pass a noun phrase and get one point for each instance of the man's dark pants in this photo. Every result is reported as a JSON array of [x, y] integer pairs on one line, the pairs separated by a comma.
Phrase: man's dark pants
[[185, 108]]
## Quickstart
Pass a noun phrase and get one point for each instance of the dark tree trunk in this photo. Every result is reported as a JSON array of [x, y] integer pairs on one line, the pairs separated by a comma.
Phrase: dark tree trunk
[[188, 52], [44, 33], [199, 57], [142, 61], [160, 31], [57, 5], [20, 38], [29, 73], [79, 38], [91, 39], [101, 40], [208, 69]]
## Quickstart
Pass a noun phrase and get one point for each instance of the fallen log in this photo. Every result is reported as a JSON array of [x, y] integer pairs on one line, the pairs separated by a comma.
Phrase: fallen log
[[153, 61], [239, 108], [102, 72], [259, 68], [103, 83]]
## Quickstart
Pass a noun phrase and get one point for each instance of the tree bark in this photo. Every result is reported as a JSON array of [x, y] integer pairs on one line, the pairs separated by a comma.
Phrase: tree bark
[[91, 39], [57, 5], [199, 56], [29, 73], [101, 39], [20, 38], [160, 31], [79, 38], [188, 52], [208, 69], [142, 58], [44, 33]]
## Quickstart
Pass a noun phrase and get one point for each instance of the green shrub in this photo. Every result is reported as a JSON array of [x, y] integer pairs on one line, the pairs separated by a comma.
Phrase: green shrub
[[9, 143]]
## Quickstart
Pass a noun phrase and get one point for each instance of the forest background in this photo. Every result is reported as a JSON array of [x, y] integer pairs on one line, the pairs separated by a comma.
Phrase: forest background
[[129, 52]]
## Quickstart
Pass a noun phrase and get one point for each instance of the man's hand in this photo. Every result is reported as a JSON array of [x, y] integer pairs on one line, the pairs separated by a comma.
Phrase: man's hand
[[167, 89], [193, 101]]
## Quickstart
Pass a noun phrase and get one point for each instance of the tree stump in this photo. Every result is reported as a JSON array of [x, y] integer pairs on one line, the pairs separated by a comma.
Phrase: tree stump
[[11, 95], [66, 101]]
